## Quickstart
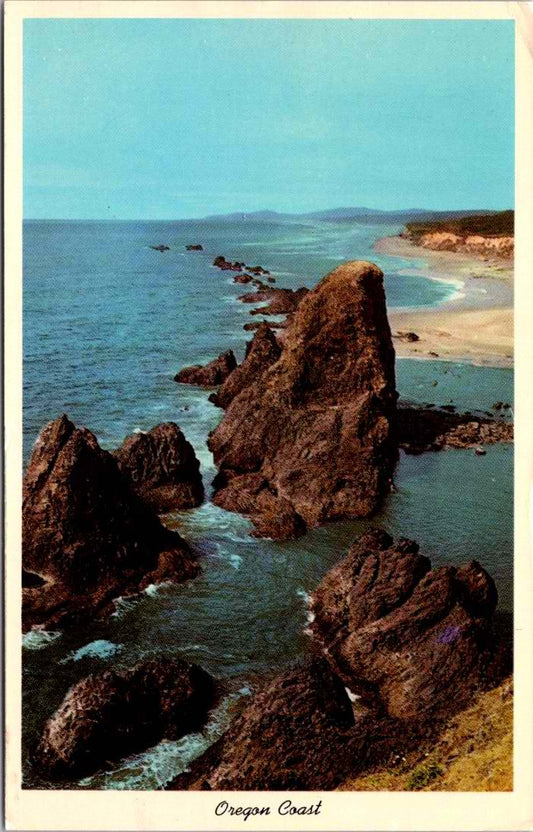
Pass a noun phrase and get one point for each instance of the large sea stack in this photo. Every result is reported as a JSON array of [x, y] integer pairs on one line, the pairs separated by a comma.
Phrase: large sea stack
[[85, 534], [312, 439]]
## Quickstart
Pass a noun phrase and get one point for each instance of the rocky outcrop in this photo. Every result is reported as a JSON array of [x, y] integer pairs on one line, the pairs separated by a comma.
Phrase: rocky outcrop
[[85, 533], [423, 429], [404, 648], [108, 716], [161, 248], [281, 301], [314, 435], [242, 278], [422, 640], [261, 352], [194, 247], [253, 325], [210, 375], [226, 265], [162, 468], [406, 336], [297, 734]]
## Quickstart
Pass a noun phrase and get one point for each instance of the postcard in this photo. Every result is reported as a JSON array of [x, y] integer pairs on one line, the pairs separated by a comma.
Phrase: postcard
[[268, 323]]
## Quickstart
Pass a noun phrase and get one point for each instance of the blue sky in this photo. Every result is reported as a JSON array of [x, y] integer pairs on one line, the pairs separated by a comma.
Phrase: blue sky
[[183, 118]]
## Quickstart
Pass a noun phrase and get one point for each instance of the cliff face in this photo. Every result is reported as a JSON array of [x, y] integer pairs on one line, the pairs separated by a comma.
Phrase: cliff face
[[314, 435], [490, 236], [85, 533], [487, 247]]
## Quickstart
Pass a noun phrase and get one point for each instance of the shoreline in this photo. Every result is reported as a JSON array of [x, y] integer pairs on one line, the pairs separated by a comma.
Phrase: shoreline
[[474, 325]]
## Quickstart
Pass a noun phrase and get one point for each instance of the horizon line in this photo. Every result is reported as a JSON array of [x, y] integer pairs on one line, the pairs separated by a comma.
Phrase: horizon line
[[267, 210]]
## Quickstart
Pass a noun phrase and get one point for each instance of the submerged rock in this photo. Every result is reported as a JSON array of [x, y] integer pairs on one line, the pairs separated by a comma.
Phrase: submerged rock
[[111, 715], [316, 430], [195, 247], [425, 429], [211, 374], [162, 468], [161, 248], [85, 533], [242, 278]]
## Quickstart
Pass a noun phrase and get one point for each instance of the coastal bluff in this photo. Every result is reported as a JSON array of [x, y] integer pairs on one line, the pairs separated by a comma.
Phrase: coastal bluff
[[87, 537], [489, 236], [312, 437]]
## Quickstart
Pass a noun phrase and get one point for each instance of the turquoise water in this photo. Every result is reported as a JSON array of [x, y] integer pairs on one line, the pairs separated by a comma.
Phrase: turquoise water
[[108, 322]]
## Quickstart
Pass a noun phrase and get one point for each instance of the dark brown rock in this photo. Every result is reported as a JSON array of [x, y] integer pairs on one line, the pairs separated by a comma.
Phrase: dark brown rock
[[211, 374], [423, 639], [253, 325], [111, 715], [404, 647], [281, 301], [318, 426], [251, 494], [162, 468], [425, 429], [196, 247], [242, 278], [261, 352], [296, 734], [85, 532], [406, 336]]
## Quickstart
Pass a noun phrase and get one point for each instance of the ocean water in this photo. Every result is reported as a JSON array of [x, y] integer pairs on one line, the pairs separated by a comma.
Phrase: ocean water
[[107, 324]]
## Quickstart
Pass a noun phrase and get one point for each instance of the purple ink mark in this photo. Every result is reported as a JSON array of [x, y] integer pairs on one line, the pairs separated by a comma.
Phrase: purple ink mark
[[449, 635]]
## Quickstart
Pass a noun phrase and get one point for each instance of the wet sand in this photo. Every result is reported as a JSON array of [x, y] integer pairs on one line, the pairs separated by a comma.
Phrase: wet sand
[[475, 325]]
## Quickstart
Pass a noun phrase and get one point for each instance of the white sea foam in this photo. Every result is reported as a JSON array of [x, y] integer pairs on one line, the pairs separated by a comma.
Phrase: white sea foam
[[154, 768], [99, 649], [152, 590], [37, 638], [309, 614], [233, 558], [124, 604]]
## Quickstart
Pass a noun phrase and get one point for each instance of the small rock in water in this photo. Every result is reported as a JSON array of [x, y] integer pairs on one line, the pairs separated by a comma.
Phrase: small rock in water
[[480, 452], [196, 247]]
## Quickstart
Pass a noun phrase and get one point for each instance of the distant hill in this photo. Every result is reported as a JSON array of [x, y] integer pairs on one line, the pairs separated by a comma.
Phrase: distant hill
[[354, 213]]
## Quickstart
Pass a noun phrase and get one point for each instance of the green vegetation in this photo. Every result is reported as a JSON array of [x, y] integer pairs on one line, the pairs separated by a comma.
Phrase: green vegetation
[[423, 775], [474, 753], [487, 225]]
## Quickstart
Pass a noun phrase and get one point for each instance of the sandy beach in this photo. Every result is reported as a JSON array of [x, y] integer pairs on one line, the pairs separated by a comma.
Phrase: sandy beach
[[474, 325]]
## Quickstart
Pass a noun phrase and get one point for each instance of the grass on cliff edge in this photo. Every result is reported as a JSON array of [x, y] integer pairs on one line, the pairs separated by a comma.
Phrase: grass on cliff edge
[[474, 754], [490, 225]]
